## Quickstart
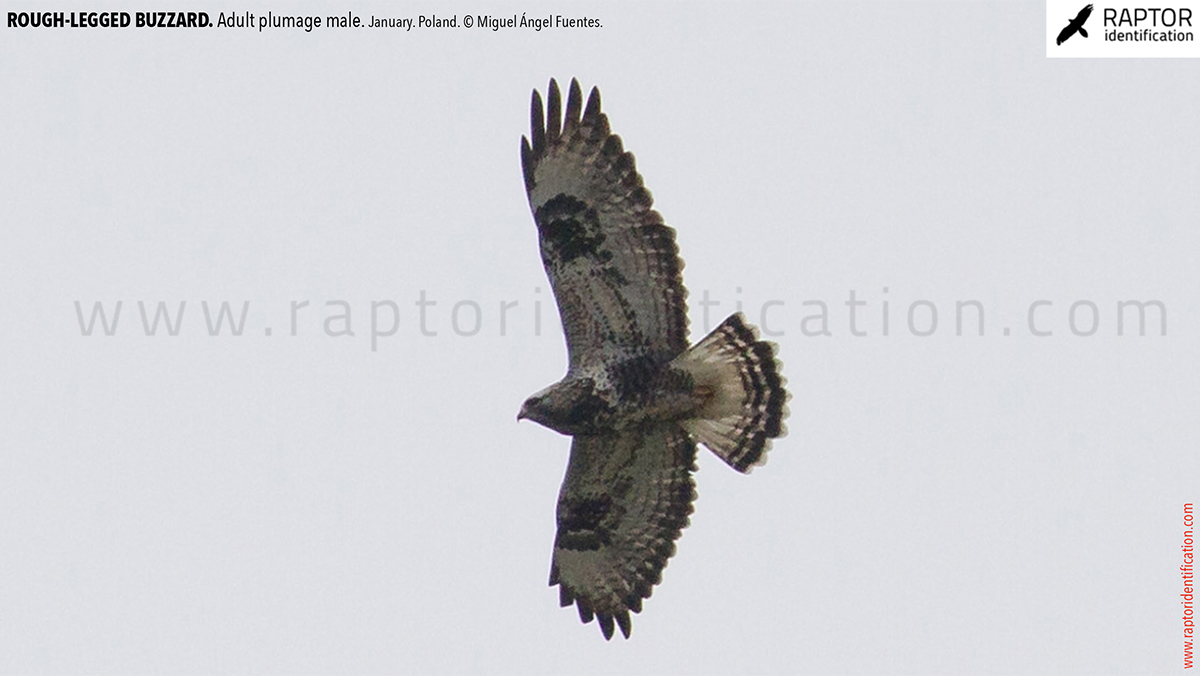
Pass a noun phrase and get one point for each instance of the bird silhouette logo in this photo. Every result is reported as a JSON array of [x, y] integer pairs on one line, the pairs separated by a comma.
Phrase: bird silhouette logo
[[1076, 25]]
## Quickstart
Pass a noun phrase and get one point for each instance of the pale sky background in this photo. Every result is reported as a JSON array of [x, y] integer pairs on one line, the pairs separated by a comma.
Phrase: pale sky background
[[303, 504]]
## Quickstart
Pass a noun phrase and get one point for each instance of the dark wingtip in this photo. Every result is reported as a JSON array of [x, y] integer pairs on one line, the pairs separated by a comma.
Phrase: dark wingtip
[[553, 111], [585, 611], [537, 123], [623, 623], [527, 162], [606, 625], [614, 147], [592, 110], [574, 105]]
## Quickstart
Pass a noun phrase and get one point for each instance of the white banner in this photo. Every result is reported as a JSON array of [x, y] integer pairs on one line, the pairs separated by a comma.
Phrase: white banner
[[1138, 29]]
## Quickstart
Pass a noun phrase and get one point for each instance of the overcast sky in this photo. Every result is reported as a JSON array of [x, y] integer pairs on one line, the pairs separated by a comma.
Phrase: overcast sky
[[344, 487]]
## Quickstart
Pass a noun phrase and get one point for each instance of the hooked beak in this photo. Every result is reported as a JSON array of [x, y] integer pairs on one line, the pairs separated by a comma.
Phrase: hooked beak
[[523, 414]]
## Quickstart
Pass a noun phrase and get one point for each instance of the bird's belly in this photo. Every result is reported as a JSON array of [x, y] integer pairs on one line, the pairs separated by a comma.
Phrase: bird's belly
[[669, 396]]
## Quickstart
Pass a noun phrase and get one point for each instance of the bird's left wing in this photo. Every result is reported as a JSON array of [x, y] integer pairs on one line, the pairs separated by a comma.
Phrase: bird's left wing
[[626, 497], [613, 263]]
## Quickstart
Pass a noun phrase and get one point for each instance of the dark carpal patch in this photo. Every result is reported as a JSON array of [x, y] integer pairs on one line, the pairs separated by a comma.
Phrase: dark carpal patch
[[579, 526], [570, 229]]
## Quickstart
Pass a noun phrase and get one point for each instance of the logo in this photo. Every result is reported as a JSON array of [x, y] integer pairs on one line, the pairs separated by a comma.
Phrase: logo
[[1122, 29], [1076, 25]]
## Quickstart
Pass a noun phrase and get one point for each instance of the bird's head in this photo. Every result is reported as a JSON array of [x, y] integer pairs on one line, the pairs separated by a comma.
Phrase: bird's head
[[526, 412], [536, 408], [567, 407]]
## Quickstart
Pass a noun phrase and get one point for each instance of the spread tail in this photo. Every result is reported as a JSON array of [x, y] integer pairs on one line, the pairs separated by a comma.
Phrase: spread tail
[[745, 402]]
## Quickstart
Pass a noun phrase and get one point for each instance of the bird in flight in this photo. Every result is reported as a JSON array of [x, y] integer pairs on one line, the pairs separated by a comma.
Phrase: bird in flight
[[1076, 25], [636, 398]]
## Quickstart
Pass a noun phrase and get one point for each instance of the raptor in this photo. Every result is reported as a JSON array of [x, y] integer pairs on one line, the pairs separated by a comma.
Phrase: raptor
[[636, 397]]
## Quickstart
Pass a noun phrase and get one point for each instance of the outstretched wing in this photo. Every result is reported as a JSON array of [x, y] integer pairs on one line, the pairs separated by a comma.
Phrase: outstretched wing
[[1065, 33], [623, 503], [1075, 24], [613, 264]]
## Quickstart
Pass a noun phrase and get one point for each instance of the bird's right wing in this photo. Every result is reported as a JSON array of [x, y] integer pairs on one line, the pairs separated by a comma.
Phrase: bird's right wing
[[626, 497]]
